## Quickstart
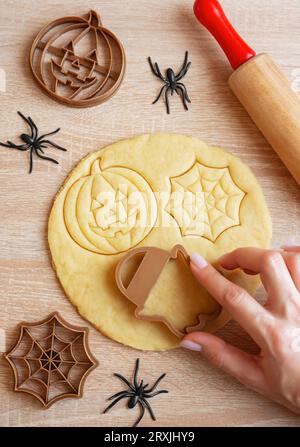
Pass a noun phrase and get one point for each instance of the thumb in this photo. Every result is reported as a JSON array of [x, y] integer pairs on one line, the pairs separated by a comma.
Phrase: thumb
[[239, 364]]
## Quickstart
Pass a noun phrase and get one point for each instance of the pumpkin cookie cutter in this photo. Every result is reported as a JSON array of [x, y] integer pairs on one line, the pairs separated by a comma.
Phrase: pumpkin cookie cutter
[[51, 360], [71, 74], [139, 288]]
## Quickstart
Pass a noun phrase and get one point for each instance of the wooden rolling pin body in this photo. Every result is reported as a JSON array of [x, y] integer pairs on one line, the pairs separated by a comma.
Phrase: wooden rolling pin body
[[267, 96], [260, 86]]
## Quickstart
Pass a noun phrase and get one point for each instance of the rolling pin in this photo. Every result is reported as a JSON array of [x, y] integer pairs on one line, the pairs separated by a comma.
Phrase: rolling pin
[[260, 86]]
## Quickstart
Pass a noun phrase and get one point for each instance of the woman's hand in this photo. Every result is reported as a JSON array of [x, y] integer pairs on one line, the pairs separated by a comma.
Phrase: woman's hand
[[275, 327]]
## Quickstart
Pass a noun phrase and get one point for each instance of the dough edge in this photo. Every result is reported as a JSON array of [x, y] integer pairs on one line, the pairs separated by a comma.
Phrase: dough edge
[[173, 342]]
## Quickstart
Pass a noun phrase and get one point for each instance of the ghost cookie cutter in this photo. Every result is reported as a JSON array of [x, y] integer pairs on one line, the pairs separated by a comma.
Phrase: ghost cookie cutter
[[139, 288]]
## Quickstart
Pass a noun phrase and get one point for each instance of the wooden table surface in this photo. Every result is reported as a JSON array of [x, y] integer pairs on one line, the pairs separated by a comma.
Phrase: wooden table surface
[[200, 395]]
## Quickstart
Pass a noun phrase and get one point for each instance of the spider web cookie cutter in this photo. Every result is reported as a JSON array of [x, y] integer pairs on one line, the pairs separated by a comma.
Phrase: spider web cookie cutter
[[51, 360], [139, 288], [78, 78]]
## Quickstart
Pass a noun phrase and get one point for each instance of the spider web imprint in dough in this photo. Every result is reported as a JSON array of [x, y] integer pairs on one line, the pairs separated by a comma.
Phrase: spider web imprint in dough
[[205, 201], [51, 360]]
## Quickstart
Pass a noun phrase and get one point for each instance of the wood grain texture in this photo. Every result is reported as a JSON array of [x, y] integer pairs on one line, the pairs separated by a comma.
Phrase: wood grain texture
[[199, 394]]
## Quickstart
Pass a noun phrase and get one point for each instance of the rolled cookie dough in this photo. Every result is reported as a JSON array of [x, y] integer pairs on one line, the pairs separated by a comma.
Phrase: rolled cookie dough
[[185, 193]]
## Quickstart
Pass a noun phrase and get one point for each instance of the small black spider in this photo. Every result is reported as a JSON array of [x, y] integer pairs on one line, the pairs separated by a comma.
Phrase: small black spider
[[137, 394], [172, 83], [34, 143]]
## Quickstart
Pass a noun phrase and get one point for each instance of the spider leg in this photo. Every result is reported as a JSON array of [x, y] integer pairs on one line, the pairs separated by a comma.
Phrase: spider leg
[[48, 134], [113, 403], [167, 100], [156, 383], [20, 147], [34, 129], [135, 374], [155, 70], [181, 93], [52, 144], [24, 118], [185, 91], [125, 381], [121, 393], [141, 415], [31, 124], [46, 158], [185, 63], [30, 161], [148, 406], [147, 395], [183, 72], [186, 57], [6, 145], [159, 72], [160, 93], [152, 66]]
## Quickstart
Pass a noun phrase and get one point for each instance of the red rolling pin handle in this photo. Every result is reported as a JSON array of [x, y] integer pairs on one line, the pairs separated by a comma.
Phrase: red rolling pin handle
[[212, 16]]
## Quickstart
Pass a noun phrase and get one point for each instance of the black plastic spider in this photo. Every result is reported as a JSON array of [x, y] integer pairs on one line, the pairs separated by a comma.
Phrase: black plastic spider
[[137, 394], [172, 83], [33, 143]]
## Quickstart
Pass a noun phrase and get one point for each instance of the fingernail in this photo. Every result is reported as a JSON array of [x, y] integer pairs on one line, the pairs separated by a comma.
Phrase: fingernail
[[198, 261], [192, 346]]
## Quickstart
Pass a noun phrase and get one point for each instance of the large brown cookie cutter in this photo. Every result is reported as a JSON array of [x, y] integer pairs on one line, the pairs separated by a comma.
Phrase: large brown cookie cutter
[[75, 74], [51, 360], [139, 288]]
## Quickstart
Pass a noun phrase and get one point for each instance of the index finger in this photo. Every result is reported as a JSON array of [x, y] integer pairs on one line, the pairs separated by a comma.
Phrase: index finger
[[291, 249], [273, 270], [253, 317], [252, 259]]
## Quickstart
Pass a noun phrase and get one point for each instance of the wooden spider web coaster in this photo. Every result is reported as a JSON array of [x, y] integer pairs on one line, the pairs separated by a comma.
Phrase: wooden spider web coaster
[[51, 360]]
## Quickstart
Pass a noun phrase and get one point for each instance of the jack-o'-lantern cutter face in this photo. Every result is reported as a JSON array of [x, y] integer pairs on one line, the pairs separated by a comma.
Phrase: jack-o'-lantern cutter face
[[78, 61]]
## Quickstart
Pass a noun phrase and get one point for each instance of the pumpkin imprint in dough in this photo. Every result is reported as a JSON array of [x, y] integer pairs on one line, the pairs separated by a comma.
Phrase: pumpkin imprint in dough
[[88, 237], [107, 212]]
